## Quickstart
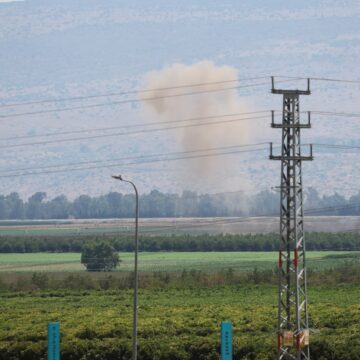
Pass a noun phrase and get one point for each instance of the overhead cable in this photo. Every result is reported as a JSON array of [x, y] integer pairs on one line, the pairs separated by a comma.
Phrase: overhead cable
[[230, 152], [129, 92], [44, 142], [129, 101]]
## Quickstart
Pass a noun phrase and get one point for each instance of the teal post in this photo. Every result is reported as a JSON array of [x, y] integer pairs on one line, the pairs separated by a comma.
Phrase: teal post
[[53, 341], [226, 340]]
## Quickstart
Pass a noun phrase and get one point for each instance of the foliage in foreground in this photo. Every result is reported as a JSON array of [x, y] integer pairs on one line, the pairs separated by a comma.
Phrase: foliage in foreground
[[174, 323], [347, 273]]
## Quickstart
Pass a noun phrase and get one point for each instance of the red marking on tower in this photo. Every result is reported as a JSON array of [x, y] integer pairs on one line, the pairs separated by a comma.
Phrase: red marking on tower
[[296, 257], [280, 259]]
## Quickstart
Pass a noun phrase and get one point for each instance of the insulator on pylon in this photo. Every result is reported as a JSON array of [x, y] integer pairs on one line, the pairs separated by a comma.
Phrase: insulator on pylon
[[288, 338], [304, 338]]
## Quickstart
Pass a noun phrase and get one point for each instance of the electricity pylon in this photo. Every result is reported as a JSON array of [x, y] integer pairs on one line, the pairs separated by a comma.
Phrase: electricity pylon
[[293, 327]]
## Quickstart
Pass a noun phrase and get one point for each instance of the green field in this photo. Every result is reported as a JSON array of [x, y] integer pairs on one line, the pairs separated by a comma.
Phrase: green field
[[59, 231], [172, 261], [179, 313], [176, 324]]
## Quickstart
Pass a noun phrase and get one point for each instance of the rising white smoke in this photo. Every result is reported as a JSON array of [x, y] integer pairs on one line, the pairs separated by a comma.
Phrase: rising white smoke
[[210, 103]]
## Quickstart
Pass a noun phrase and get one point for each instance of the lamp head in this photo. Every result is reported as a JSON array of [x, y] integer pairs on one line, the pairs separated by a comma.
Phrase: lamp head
[[117, 177]]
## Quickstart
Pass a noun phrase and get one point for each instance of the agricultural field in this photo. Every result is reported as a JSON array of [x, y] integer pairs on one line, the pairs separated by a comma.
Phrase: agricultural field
[[184, 295], [173, 261], [231, 225], [174, 323]]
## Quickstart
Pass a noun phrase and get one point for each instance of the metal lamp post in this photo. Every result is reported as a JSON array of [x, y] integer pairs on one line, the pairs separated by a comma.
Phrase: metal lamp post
[[136, 279]]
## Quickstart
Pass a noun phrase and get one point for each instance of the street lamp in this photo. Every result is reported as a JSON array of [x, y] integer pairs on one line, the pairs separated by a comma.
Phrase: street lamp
[[136, 279]]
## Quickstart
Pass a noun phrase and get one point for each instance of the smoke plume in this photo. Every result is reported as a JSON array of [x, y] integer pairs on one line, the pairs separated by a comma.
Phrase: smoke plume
[[170, 81]]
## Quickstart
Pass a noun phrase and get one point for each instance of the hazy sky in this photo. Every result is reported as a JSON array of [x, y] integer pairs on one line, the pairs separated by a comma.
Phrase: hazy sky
[[59, 49]]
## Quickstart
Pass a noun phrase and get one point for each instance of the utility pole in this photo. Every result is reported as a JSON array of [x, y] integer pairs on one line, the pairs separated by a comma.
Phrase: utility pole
[[136, 271], [293, 326]]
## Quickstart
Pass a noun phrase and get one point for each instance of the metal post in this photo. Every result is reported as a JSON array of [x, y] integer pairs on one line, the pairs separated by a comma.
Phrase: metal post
[[136, 277], [136, 280], [292, 298]]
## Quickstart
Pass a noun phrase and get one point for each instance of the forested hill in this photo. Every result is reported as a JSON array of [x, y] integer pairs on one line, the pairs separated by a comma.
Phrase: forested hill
[[158, 204]]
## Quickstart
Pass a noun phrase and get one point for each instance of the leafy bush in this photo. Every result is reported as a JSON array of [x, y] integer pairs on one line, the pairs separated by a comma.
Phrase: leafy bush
[[99, 256]]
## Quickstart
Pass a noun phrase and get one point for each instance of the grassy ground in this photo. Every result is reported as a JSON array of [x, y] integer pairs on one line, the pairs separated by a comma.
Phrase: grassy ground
[[179, 324], [171, 261], [55, 230]]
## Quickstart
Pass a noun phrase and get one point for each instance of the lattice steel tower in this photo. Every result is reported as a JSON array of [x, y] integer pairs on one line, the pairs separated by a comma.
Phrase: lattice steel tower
[[293, 329]]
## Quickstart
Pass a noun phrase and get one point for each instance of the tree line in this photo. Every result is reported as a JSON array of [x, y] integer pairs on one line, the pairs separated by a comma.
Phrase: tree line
[[158, 204], [204, 242]]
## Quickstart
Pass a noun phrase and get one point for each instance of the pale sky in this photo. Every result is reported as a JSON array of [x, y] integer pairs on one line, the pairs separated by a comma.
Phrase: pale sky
[[70, 49]]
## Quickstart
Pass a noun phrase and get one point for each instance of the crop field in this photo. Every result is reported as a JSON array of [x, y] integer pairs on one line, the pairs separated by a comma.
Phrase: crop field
[[234, 225], [179, 311], [172, 261], [178, 324]]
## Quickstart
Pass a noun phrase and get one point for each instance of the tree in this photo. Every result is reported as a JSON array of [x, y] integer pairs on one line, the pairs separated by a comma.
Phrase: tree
[[206, 205], [99, 256], [82, 207], [15, 206], [99, 207], [58, 208], [35, 206], [114, 200], [4, 213]]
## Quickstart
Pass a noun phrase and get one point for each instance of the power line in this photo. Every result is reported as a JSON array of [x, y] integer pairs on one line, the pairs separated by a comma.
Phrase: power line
[[318, 112], [130, 92], [230, 152], [335, 146], [78, 98], [338, 146], [128, 101], [319, 79], [131, 132], [351, 115], [336, 80], [136, 157], [129, 126], [135, 163]]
